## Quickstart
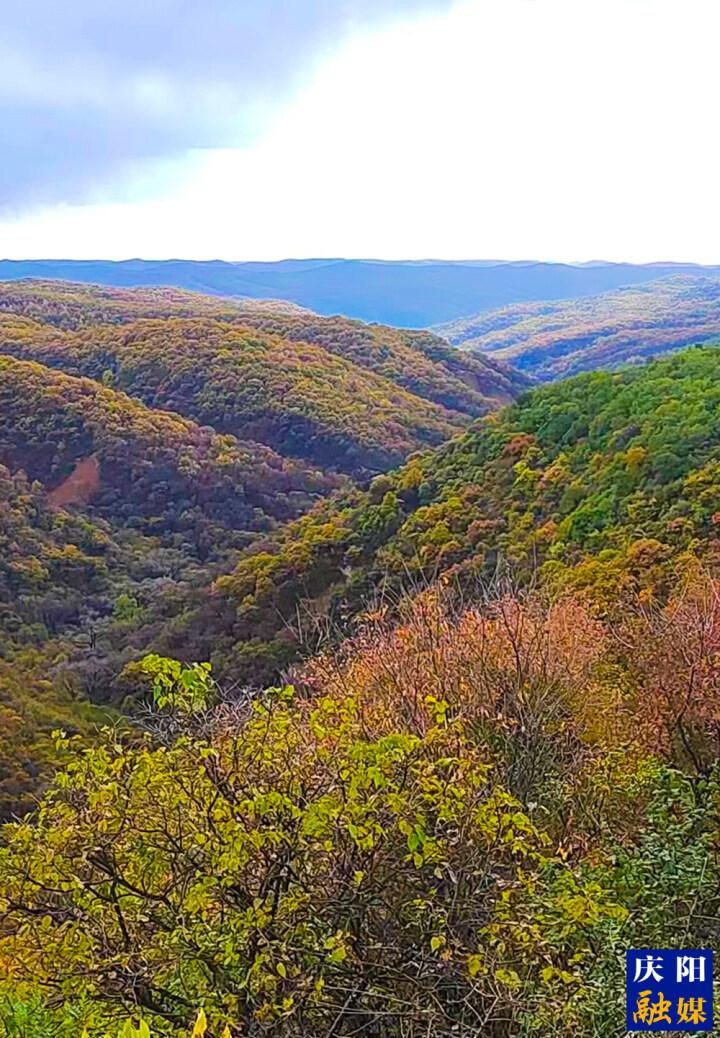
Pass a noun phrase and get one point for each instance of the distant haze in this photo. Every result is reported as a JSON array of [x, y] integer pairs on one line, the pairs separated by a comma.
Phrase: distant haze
[[410, 294]]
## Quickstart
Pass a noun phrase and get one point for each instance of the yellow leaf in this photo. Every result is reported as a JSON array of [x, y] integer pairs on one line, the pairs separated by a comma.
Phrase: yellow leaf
[[509, 978], [200, 1025]]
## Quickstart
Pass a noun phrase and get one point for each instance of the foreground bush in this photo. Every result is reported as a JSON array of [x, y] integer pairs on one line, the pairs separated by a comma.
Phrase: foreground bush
[[301, 870], [360, 861]]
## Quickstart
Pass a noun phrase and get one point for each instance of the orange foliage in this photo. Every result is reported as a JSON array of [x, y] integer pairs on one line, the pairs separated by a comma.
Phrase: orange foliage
[[527, 671], [520, 670], [673, 655]]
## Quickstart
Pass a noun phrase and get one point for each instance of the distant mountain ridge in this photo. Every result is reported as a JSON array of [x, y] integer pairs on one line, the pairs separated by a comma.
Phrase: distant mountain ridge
[[552, 340], [412, 294]]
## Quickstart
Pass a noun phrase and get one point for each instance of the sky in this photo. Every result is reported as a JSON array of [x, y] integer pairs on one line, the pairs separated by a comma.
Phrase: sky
[[564, 130]]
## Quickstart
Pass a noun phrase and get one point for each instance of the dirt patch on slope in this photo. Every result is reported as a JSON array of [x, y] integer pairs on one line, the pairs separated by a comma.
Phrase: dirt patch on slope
[[80, 486]]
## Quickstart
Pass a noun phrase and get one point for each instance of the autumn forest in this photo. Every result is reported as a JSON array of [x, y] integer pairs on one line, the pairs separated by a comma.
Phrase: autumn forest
[[354, 680]]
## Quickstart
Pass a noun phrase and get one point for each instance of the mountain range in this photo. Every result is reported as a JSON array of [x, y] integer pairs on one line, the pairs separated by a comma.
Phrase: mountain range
[[407, 294]]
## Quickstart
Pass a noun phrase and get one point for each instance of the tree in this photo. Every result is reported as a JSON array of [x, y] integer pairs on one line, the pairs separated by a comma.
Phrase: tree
[[307, 874]]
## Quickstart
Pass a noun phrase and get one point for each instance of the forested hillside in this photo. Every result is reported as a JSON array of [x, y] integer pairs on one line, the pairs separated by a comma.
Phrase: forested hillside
[[120, 510], [108, 508], [486, 762], [54, 570], [330, 391], [149, 469], [553, 340], [601, 482], [418, 361], [359, 618]]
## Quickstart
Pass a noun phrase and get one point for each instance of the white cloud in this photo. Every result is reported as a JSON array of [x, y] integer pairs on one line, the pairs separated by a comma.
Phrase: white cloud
[[553, 129]]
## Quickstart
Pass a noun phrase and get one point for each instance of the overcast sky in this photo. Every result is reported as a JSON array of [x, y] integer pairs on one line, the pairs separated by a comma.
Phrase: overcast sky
[[261, 129]]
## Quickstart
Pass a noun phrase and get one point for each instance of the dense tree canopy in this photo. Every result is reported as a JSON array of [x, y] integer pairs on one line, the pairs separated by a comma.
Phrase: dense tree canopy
[[153, 470], [491, 764], [118, 513], [336, 392], [448, 834], [554, 340], [603, 482]]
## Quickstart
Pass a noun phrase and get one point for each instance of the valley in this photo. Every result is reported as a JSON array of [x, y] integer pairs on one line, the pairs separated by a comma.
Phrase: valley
[[359, 519], [284, 595]]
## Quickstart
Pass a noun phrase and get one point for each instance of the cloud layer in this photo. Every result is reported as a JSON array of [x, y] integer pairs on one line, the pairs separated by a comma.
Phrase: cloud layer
[[92, 91]]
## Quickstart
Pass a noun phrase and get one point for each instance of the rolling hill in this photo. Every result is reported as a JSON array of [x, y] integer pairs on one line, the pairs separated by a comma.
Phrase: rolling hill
[[157, 472], [407, 294], [415, 360], [497, 772], [332, 392], [553, 340], [108, 508], [146, 439], [601, 482], [128, 527]]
